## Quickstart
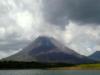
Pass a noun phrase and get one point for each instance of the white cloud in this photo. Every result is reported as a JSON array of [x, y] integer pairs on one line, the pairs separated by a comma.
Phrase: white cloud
[[82, 38], [6, 54], [21, 21], [24, 19], [2, 32]]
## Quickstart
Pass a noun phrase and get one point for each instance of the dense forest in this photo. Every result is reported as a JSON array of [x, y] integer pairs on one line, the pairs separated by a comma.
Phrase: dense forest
[[30, 65]]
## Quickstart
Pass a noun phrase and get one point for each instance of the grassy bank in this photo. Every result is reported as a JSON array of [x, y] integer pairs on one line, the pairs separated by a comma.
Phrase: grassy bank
[[80, 67], [89, 66]]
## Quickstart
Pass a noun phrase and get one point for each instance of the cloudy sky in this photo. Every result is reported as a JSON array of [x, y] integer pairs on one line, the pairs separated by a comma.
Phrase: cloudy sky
[[74, 22]]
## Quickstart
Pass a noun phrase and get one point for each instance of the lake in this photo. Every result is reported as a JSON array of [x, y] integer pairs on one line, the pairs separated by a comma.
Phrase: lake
[[49, 72]]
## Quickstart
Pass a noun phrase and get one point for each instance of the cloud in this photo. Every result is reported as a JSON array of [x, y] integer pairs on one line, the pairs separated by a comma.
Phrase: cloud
[[74, 22], [5, 54], [21, 22], [16, 25], [84, 39], [79, 21], [59, 12]]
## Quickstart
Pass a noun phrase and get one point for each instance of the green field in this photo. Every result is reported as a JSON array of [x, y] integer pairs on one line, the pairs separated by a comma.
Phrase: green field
[[80, 67], [89, 66]]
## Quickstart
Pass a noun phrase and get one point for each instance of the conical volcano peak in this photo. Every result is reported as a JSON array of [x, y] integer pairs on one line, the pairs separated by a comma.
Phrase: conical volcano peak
[[44, 37], [50, 42], [44, 40]]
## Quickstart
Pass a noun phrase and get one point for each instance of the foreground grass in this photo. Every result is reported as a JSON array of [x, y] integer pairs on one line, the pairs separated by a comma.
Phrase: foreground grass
[[90, 66], [80, 67]]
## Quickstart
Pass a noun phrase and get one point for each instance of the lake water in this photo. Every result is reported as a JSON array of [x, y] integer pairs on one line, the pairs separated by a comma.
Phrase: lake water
[[49, 72]]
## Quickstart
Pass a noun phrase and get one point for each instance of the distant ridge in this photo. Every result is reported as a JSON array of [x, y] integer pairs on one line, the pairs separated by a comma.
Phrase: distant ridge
[[47, 49], [95, 56]]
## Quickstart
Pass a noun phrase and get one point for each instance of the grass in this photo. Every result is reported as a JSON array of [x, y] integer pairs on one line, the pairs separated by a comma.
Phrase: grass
[[90, 66], [80, 67]]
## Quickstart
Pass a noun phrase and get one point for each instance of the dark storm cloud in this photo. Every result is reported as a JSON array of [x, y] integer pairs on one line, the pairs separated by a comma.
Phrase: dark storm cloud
[[58, 12], [12, 45]]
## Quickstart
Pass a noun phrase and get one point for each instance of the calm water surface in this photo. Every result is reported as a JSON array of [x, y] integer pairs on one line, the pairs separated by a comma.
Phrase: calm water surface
[[49, 72]]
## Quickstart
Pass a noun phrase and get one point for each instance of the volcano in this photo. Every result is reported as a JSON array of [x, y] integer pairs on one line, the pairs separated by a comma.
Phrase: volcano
[[47, 49]]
